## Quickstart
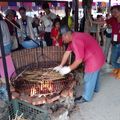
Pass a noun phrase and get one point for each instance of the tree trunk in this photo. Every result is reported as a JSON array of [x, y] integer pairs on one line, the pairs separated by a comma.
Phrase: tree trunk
[[87, 5], [76, 14]]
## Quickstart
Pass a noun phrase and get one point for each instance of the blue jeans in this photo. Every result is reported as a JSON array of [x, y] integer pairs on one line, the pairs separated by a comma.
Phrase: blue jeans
[[115, 55], [91, 84], [8, 48]]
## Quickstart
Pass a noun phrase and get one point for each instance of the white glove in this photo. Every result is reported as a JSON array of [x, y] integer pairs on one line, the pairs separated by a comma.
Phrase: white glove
[[65, 70], [58, 68]]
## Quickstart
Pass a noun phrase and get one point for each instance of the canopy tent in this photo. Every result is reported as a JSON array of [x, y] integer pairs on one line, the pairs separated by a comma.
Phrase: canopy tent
[[100, 0], [30, 4]]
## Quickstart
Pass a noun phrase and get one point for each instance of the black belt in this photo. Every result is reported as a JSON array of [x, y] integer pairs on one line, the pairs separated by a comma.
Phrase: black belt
[[115, 43]]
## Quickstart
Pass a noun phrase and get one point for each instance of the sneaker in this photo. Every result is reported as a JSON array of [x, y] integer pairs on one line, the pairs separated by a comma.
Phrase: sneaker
[[79, 100]]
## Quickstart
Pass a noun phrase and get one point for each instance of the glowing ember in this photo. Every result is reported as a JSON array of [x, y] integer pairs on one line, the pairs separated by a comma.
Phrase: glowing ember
[[47, 86], [33, 91], [40, 82]]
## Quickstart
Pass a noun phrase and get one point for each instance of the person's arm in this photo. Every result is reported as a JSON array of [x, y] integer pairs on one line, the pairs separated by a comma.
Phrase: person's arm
[[75, 64], [64, 60], [52, 34], [57, 36], [65, 57], [19, 33], [67, 69], [53, 37], [99, 22], [109, 22]]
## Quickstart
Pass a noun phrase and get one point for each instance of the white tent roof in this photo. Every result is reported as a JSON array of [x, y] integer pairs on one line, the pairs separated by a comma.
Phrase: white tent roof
[[100, 0]]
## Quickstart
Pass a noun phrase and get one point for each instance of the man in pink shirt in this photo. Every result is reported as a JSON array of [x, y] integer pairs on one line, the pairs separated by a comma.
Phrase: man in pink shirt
[[87, 51]]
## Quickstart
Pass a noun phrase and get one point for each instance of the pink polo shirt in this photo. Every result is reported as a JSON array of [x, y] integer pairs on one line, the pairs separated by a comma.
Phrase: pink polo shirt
[[86, 48]]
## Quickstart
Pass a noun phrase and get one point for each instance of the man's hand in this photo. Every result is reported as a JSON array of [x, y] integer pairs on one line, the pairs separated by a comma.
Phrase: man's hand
[[58, 68], [65, 70]]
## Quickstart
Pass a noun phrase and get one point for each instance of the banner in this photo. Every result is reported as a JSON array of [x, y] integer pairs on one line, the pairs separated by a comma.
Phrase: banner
[[12, 4], [54, 4], [3, 4], [26, 4], [115, 2]]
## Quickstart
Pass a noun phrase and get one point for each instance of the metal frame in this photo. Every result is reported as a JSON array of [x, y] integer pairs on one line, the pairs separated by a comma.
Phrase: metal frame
[[4, 64]]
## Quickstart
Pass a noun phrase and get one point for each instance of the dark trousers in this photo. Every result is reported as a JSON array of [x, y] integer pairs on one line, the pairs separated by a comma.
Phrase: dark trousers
[[48, 39]]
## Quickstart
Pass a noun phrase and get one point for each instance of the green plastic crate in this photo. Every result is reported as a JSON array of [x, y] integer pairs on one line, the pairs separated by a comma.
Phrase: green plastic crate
[[29, 111]]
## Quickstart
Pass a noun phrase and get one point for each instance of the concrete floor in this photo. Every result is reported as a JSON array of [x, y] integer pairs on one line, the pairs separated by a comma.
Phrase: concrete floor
[[105, 104]]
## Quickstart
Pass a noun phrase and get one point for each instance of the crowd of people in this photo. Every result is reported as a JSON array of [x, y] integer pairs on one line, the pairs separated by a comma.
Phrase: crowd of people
[[88, 49], [45, 27], [106, 31], [87, 46]]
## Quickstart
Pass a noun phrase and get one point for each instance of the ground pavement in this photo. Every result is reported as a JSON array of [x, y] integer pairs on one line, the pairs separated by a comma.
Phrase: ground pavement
[[105, 104]]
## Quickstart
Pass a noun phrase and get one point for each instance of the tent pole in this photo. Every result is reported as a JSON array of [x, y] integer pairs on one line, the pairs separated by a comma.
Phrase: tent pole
[[109, 3], [4, 64], [75, 2]]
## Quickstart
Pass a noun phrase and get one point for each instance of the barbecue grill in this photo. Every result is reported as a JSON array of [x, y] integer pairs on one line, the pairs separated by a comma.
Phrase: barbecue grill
[[38, 82], [28, 62]]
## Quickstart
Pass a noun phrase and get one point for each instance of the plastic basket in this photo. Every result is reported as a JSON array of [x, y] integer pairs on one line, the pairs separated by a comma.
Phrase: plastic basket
[[29, 111]]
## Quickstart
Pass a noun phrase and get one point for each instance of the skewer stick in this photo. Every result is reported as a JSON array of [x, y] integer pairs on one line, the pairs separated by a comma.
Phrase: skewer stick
[[21, 72], [48, 72]]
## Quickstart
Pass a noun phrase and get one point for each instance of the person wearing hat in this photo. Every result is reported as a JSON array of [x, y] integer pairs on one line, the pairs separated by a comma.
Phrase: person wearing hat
[[87, 51], [12, 24]]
